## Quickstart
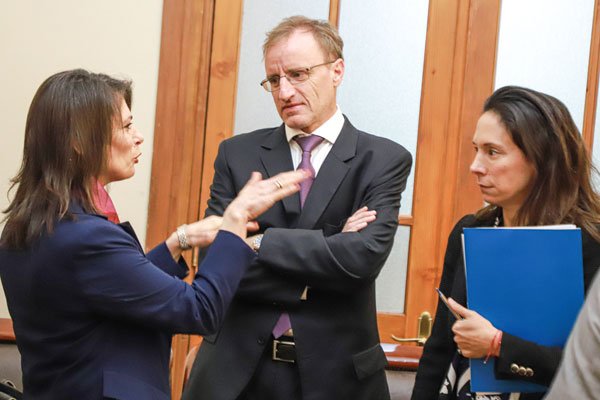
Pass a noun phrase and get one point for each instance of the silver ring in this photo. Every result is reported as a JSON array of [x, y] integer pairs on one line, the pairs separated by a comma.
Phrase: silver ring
[[278, 184], [458, 351]]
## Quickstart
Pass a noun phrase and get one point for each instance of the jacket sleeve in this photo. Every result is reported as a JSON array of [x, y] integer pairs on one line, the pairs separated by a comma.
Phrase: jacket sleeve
[[440, 347], [119, 281], [519, 354], [161, 257]]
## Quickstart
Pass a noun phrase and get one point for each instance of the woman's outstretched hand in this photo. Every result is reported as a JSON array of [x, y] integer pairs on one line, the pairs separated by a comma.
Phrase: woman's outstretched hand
[[257, 196]]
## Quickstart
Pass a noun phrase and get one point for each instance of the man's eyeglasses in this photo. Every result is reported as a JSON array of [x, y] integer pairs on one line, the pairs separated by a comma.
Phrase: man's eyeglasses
[[294, 76]]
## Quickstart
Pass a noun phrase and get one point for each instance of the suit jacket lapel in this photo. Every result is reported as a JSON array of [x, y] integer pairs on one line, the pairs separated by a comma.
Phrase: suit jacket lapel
[[330, 176], [276, 157]]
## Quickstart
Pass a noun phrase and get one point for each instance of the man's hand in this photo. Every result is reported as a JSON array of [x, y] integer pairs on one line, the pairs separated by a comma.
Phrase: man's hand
[[359, 220], [473, 334]]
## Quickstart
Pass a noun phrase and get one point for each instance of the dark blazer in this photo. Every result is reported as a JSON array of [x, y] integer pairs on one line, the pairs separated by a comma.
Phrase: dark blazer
[[440, 347], [93, 315], [335, 328]]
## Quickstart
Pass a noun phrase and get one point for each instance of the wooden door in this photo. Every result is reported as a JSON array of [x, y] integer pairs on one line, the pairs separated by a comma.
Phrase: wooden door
[[458, 75]]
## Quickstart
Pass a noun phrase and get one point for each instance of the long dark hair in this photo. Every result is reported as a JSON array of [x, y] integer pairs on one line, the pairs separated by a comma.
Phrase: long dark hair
[[67, 136], [542, 127]]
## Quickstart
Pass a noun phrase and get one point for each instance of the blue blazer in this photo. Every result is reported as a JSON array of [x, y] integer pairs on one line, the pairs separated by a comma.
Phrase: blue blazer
[[93, 315]]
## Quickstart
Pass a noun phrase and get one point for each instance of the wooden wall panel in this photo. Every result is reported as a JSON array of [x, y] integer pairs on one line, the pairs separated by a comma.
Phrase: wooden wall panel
[[432, 145], [334, 13], [474, 87], [223, 86], [591, 95], [7, 332], [458, 74], [180, 116], [219, 117], [179, 133]]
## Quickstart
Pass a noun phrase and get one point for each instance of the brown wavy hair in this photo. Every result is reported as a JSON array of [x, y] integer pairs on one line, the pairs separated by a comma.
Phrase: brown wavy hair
[[67, 137], [542, 127]]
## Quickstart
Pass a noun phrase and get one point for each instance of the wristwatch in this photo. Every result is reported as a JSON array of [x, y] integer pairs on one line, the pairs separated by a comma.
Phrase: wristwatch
[[256, 242]]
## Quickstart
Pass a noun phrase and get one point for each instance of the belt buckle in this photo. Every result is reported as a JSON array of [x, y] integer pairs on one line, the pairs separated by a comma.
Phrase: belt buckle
[[276, 344]]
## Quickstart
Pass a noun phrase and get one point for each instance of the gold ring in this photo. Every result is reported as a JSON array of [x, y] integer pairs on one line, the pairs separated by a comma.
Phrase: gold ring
[[278, 184]]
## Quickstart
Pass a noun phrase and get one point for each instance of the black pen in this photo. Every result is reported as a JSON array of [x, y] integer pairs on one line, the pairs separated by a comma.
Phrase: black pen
[[445, 301]]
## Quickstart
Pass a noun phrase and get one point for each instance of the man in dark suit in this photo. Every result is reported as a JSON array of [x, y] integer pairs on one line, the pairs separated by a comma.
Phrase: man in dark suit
[[303, 323]]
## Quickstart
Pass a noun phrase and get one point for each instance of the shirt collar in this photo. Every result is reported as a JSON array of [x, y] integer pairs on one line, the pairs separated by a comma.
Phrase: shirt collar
[[329, 131]]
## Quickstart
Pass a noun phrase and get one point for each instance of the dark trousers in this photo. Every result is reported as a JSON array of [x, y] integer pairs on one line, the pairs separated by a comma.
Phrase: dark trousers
[[273, 380]]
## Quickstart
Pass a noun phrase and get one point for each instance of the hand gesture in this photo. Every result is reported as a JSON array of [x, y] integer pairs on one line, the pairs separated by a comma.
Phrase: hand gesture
[[257, 196], [473, 334]]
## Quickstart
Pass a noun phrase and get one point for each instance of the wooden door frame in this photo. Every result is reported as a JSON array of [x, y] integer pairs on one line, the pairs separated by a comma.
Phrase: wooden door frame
[[591, 93], [458, 75], [179, 134]]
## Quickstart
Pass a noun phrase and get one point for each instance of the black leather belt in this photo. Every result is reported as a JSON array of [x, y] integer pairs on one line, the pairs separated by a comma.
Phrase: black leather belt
[[284, 349]]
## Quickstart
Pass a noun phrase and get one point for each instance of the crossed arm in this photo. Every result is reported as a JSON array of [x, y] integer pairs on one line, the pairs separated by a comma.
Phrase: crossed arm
[[291, 259]]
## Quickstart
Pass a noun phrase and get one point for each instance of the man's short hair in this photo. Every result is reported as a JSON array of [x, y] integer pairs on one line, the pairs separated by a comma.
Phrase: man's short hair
[[324, 33]]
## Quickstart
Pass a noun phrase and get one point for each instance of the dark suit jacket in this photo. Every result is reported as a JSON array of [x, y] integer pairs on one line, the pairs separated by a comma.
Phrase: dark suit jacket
[[440, 346], [93, 315], [335, 329]]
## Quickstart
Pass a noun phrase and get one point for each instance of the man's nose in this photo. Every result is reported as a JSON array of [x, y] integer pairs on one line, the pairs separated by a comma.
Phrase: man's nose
[[286, 89]]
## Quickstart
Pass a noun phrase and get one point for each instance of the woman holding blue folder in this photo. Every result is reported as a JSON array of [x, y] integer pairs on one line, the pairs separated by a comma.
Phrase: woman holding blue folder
[[533, 169]]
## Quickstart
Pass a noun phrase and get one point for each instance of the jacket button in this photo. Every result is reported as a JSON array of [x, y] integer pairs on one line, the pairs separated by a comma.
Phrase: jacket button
[[522, 371], [528, 372], [261, 341], [514, 368]]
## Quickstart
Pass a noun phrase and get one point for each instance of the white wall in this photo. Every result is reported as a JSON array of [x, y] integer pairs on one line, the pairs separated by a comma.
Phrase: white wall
[[41, 37], [545, 45]]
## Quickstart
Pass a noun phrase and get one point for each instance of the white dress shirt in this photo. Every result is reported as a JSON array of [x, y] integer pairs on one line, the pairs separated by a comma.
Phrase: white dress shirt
[[329, 131]]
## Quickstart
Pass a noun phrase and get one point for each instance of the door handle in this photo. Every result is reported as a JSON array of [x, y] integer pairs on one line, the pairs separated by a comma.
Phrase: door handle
[[423, 331]]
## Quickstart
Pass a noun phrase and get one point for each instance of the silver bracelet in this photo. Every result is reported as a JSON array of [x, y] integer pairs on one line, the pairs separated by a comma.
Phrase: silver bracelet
[[182, 237]]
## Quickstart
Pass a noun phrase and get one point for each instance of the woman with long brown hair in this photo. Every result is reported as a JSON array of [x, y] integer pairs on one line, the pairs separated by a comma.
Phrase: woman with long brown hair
[[532, 168], [93, 315]]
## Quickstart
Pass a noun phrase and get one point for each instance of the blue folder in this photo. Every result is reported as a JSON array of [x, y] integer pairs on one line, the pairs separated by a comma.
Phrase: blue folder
[[527, 282]]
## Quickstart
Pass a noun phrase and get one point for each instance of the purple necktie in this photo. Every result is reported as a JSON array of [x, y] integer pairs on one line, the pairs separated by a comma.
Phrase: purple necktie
[[307, 144]]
